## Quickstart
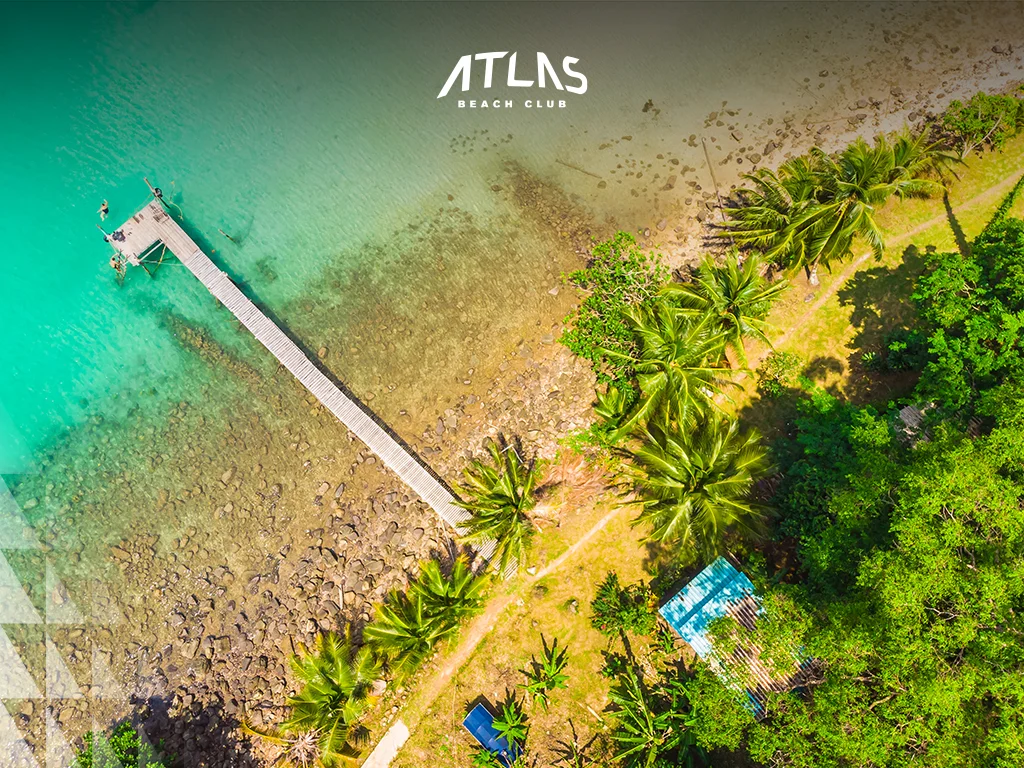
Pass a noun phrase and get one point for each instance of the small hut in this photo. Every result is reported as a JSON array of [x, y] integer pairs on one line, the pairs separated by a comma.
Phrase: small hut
[[721, 591]]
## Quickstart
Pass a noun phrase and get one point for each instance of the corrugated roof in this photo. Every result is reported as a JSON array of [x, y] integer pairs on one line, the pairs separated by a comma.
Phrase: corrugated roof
[[721, 590], [707, 597]]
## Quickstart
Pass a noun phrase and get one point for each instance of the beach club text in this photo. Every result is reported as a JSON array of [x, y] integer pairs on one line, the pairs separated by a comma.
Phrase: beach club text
[[574, 81]]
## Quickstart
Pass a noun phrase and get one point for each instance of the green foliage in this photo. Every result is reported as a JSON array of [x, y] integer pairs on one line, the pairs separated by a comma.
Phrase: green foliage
[[734, 295], [695, 484], [973, 311], [499, 496], [619, 279], [409, 625], [652, 725], [872, 361], [913, 600], [617, 609], [614, 664], [905, 349], [679, 362], [548, 674], [778, 373], [121, 747], [811, 209], [983, 120], [511, 723], [775, 639], [334, 688]]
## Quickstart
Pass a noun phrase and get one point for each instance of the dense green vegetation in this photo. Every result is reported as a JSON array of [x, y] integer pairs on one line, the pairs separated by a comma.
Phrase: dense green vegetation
[[410, 624], [985, 119], [912, 549], [548, 674], [322, 727], [733, 295], [695, 483], [972, 309], [121, 747], [619, 280], [618, 609], [652, 723]]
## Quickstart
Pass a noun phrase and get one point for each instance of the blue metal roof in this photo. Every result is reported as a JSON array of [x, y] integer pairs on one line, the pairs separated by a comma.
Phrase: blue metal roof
[[709, 596], [480, 723]]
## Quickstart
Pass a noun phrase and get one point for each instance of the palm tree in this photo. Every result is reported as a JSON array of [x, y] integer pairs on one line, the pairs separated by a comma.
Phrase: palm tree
[[679, 366], [322, 727], [409, 625], [499, 497], [455, 596], [735, 295], [771, 204], [649, 730], [694, 484], [811, 210]]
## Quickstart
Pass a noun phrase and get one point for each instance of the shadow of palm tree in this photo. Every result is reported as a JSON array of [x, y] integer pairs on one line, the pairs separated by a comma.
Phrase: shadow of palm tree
[[962, 243]]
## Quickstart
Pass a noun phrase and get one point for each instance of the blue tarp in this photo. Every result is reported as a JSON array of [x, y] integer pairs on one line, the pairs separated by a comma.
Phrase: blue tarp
[[480, 723]]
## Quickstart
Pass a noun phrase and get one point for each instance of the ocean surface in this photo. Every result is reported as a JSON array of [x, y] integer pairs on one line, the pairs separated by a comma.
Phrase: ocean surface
[[306, 131]]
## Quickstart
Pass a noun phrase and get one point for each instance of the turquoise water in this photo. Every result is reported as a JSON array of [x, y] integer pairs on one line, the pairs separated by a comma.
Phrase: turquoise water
[[304, 131]]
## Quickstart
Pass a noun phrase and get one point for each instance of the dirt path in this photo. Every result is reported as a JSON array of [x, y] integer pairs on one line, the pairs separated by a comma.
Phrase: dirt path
[[478, 629]]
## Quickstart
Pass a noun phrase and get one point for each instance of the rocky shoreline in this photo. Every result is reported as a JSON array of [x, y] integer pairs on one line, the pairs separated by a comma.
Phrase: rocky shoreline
[[266, 523]]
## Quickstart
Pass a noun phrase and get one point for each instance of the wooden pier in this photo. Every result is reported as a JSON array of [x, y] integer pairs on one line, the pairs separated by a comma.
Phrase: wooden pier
[[153, 227]]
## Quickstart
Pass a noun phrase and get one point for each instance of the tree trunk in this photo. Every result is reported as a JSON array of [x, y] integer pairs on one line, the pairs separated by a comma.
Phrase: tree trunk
[[812, 277]]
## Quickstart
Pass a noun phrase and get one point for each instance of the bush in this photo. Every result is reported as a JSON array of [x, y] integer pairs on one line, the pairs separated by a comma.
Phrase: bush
[[777, 373], [122, 747], [620, 278], [623, 609], [983, 120], [905, 350]]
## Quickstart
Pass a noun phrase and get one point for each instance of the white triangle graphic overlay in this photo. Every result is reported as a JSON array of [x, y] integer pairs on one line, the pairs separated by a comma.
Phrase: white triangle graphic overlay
[[15, 680], [104, 686], [60, 608], [60, 683], [15, 750], [15, 607], [58, 750], [15, 532]]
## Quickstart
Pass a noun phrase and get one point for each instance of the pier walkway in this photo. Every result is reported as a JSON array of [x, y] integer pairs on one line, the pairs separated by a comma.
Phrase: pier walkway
[[153, 226]]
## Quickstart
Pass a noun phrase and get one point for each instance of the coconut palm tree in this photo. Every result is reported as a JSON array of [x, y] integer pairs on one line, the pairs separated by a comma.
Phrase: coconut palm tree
[[499, 496], [455, 596], [679, 365], [771, 204], [322, 726], [651, 730], [694, 484], [409, 625], [811, 210], [735, 295]]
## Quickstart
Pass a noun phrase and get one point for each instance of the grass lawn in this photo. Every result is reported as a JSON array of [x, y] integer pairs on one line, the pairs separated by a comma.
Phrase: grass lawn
[[829, 327]]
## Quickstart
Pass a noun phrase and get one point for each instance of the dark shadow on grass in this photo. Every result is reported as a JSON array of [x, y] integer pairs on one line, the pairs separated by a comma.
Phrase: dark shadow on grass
[[881, 302], [822, 365], [962, 243]]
